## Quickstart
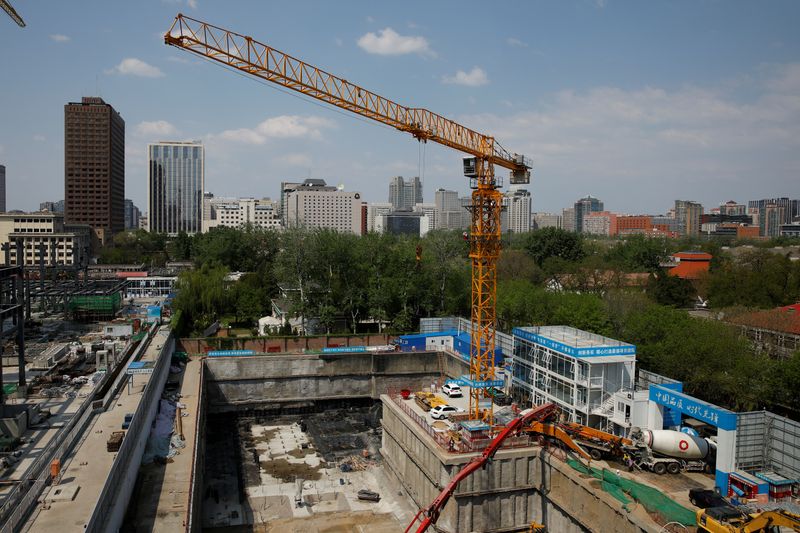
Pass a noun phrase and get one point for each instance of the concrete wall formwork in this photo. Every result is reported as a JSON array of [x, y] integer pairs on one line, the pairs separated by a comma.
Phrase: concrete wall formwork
[[519, 486]]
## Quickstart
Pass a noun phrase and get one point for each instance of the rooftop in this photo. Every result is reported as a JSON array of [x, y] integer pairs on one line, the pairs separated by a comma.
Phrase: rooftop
[[576, 342]]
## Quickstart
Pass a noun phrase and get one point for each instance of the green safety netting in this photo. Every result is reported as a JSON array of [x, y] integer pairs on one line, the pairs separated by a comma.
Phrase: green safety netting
[[96, 303], [652, 499], [9, 388]]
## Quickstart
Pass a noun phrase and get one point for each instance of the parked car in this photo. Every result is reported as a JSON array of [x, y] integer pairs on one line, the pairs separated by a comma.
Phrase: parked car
[[453, 390], [441, 412], [705, 498], [499, 397]]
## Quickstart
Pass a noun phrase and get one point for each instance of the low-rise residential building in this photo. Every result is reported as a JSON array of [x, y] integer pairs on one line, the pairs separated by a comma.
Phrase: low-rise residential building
[[634, 224], [546, 220], [600, 223], [790, 230], [239, 212], [45, 238]]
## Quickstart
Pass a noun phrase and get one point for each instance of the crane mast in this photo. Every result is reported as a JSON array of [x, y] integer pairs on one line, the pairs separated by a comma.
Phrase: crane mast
[[262, 61]]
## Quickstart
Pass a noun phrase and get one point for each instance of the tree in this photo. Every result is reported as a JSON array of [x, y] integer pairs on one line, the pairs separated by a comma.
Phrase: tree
[[639, 253], [671, 290], [554, 242]]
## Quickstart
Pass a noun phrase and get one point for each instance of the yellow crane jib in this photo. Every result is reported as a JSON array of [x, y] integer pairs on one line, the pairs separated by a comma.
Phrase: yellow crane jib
[[262, 61]]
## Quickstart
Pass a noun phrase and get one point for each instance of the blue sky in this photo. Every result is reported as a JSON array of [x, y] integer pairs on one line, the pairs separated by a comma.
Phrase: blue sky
[[637, 103]]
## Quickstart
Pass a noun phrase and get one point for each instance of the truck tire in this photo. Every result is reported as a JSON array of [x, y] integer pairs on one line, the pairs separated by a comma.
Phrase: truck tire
[[660, 468], [673, 468], [595, 454]]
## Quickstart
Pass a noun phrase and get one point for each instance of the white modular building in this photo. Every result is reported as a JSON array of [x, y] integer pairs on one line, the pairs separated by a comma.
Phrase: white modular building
[[579, 371]]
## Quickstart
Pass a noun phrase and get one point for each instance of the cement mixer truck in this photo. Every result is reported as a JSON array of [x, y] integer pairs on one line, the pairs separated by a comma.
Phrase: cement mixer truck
[[665, 450]]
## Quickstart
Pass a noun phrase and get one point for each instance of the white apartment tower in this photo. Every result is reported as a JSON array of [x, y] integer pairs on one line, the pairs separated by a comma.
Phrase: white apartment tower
[[516, 217]]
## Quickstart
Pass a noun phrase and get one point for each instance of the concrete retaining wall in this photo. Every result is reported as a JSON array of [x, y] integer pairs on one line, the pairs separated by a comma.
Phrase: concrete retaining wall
[[112, 504], [518, 487], [232, 381], [281, 344]]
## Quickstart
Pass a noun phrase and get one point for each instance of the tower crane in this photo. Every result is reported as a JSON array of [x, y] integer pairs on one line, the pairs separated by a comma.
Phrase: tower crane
[[8, 8], [259, 60]]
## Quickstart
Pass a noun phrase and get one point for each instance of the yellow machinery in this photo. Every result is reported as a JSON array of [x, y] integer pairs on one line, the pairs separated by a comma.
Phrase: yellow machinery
[[729, 520], [247, 55]]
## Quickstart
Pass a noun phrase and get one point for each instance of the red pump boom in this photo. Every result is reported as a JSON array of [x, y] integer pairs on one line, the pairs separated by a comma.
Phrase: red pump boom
[[431, 513]]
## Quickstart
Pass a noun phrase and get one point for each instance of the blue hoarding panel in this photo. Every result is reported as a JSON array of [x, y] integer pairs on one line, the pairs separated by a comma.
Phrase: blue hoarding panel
[[697, 409]]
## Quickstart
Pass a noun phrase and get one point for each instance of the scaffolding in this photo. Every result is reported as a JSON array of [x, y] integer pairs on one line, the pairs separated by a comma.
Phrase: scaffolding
[[12, 318], [79, 300]]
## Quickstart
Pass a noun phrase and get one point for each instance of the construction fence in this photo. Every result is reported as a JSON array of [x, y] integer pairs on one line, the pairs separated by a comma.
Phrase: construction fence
[[766, 441]]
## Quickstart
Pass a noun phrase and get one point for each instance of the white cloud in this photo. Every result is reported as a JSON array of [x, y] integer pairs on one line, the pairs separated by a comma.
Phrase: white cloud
[[132, 66], [281, 127], [192, 3], [59, 38], [474, 78], [388, 42], [39, 138], [658, 144], [155, 128], [296, 160], [513, 41], [338, 41], [370, 19]]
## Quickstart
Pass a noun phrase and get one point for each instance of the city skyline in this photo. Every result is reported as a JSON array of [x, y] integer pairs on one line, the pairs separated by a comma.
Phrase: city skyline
[[603, 111]]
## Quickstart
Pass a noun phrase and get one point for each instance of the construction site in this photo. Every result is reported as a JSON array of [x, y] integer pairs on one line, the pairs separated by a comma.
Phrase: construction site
[[112, 423]]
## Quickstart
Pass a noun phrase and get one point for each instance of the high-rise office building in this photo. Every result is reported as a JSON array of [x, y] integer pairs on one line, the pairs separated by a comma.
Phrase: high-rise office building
[[177, 180], [2, 189], [687, 215], [317, 205], [568, 219], [132, 214], [758, 208], [583, 207], [448, 210], [94, 167], [774, 215], [404, 194], [516, 215]]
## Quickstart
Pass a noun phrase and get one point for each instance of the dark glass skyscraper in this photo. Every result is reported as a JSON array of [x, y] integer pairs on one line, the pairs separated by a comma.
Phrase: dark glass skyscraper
[[94, 167], [177, 177]]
